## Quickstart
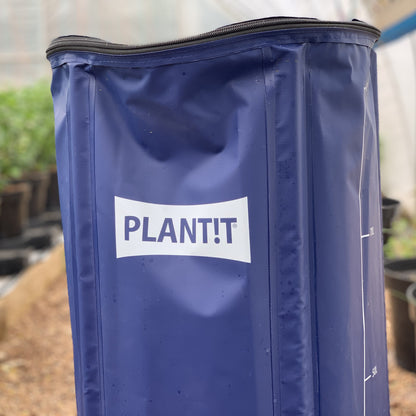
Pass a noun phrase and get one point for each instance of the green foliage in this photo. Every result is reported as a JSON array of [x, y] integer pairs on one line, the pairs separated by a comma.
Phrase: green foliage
[[26, 131], [402, 243]]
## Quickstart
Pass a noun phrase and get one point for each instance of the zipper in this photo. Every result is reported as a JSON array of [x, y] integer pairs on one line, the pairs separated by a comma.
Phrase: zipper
[[91, 44]]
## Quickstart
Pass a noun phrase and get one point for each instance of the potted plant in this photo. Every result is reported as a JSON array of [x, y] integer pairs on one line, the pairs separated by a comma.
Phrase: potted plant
[[15, 196], [37, 112], [44, 140], [400, 274], [389, 211]]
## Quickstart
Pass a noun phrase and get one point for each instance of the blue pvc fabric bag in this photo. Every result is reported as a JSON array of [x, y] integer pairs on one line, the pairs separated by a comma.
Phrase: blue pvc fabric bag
[[220, 199]]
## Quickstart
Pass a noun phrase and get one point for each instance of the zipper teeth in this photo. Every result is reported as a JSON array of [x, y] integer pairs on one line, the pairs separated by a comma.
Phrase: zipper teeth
[[85, 43]]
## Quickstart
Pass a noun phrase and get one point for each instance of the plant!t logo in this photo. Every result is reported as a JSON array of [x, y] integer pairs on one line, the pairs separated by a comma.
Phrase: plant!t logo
[[219, 230]]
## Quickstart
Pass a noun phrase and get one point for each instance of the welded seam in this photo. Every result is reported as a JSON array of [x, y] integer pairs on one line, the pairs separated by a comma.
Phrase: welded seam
[[73, 242], [361, 246], [93, 193], [269, 154], [312, 231]]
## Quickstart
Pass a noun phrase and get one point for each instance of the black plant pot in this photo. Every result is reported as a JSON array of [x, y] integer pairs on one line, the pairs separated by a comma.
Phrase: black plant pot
[[14, 211], [389, 210], [39, 182], [53, 191], [399, 275], [13, 261], [411, 300]]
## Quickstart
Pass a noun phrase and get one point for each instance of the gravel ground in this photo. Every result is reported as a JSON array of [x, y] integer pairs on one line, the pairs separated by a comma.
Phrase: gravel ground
[[36, 370]]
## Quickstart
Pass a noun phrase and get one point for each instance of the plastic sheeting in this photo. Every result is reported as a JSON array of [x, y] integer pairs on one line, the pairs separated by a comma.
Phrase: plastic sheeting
[[221, 213]]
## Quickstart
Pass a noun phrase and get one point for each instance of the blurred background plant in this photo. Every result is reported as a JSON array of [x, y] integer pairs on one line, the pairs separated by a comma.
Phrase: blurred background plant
[[402, 242], [26, 131]]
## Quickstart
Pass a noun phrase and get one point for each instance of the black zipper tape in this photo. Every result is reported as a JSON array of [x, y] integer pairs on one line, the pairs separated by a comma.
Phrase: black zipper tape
[[90, 44]]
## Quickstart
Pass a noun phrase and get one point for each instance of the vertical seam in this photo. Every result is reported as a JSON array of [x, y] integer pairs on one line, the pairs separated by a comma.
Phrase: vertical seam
[[268, 155], [74, 274], [91, 98], [361, 245], [312, 235]]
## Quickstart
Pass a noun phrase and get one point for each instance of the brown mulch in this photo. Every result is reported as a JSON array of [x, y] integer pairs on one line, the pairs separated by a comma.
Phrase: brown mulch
[[36, 370]]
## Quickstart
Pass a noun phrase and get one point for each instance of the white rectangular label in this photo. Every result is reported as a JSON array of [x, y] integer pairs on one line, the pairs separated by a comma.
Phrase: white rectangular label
[[219, 230]]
